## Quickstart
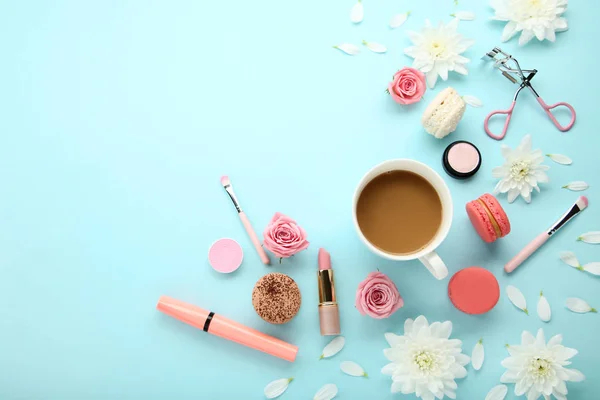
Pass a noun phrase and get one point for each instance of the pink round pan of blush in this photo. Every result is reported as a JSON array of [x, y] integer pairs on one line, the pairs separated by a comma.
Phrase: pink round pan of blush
[[463, 157], [225, 255]]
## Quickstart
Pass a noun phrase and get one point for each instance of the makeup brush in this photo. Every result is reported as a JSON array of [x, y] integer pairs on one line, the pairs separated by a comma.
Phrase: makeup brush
[[229, 189], [580, 205]]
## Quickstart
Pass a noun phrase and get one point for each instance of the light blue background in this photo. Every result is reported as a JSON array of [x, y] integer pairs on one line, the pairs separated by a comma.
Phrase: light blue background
[[119, 117]]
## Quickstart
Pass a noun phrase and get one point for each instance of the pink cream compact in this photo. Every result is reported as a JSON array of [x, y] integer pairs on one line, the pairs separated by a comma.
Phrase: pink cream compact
[[225, 255], [461, 159]]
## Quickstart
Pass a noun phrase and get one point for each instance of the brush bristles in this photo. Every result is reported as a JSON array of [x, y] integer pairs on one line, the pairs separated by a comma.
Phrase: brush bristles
[[225, 181], [582, 203]]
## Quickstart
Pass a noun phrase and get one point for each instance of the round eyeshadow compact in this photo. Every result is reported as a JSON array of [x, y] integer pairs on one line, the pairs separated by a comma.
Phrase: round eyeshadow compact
[[461, 159], [474, 290], [225, 255], [276, 298]]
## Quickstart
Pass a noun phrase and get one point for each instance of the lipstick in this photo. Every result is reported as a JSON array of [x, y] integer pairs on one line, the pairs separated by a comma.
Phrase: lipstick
[[223, 327], [329, 314]]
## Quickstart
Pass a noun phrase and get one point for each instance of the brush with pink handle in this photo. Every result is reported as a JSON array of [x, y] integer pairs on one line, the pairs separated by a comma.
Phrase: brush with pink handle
[[580, 205], [245, 221]]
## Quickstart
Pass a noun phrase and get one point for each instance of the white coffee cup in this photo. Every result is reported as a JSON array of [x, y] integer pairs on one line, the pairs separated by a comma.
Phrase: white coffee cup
[[427, 255]]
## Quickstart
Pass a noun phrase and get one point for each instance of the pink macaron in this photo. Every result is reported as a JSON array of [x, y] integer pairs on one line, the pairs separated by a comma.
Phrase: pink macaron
[[488, 218], [474, 290]]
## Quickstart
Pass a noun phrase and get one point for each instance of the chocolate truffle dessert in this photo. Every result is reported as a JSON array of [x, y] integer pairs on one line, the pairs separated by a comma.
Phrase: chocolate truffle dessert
[[276, 298]]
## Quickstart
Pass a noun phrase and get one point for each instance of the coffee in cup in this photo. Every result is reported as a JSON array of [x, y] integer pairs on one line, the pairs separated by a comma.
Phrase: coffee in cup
[[403, 211]]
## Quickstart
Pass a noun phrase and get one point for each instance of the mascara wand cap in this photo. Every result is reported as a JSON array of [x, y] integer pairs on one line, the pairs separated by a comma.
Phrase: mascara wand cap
[[184, 312]]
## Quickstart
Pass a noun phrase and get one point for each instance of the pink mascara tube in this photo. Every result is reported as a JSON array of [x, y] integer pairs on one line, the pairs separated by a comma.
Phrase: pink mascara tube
[[223, 327]]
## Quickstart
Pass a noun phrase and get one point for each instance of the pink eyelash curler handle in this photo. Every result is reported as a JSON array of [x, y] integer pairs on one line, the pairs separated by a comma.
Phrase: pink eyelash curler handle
[[548, 109], [261, 252], [508, 114]]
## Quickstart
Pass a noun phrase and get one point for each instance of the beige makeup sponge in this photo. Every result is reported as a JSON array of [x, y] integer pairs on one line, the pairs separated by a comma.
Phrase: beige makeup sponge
[[444, 113]]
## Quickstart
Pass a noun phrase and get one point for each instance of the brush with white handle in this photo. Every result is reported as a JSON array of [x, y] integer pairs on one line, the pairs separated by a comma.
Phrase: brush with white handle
[[580, 205], [229, 189]]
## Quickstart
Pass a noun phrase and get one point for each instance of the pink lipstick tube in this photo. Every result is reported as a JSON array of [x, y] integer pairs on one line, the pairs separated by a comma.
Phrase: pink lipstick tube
[[329, 313], [223, 327]]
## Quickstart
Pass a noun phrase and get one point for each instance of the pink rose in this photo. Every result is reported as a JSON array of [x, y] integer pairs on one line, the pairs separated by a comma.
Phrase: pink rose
[[283, 237], [377, 296], [408, 86]]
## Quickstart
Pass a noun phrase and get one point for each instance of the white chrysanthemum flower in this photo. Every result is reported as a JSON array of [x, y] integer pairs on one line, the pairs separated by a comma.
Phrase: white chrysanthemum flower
[[521, 172], [538, 368], [437, 50], [425, 361], [539, 18]]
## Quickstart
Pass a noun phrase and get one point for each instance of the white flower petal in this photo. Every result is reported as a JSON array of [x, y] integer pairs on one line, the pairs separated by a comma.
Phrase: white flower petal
[[357, 13], [590, 237], [593, 268], [393, 339], [569, 258], [477, 355], [472, 101], [462, 359], [333, 347], [445, 329], [348, 48], [276, 388], [575, 375], [543, 308], [579, 306], [464, 15], [527, 338], [353, 369], [399, 19], [576, 186], [327, 392], [560, 159], [517, 298], [375, 47], [497, 393]]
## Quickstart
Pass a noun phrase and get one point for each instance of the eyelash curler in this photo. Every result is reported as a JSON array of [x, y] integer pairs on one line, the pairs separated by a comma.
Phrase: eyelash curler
[[510, 68]]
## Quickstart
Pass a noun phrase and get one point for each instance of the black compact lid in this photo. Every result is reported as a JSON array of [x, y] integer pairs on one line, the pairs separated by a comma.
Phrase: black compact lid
[[453, 172]]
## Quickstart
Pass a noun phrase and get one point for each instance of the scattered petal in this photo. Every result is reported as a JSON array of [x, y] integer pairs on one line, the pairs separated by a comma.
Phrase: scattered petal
[[333, 347], [543, 308], [579, 306], [398, 20], [472, 101], [560, 159], [464, 15], [375, 47], [569, 258], [593, 268], [353, 369], [576, 186], [276, 388], [477, 355], [348, 48], [517, 298], [590, 237], [357, 13], [497, 393], [327, 392]]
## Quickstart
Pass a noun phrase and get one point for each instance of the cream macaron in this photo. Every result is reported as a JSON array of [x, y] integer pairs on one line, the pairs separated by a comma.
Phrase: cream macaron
[[444, 113]]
